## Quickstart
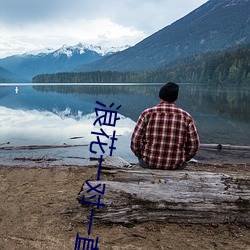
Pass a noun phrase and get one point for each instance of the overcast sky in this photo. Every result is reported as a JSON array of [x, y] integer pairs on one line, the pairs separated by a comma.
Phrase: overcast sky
[[27, 25]]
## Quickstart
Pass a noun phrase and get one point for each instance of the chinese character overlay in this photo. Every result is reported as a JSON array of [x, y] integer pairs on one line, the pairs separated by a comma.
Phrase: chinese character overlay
[[105, 117], [87, 244]]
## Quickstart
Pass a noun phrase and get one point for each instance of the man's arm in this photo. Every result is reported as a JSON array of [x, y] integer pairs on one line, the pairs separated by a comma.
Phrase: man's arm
[[138, 136], [193, 141]]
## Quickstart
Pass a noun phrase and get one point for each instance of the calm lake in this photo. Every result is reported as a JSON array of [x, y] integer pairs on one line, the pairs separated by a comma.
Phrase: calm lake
[[56, 114]]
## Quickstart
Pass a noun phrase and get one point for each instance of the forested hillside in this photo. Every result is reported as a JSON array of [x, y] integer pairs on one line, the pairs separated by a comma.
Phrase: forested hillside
[[229, 66], [214, 26]]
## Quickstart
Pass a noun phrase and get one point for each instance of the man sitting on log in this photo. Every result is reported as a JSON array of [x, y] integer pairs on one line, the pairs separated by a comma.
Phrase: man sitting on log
[[165, 136]]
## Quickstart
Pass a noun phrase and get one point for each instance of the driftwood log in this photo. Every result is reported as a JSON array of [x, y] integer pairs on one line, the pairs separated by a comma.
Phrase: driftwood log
[[135, 195], [224, 147], [30, 147]]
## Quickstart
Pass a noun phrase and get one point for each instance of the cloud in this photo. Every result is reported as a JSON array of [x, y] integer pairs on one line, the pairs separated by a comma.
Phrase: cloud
[[142, 14], [28, 127], [33, 127], [22, 12], [31, 24], [38, 36]]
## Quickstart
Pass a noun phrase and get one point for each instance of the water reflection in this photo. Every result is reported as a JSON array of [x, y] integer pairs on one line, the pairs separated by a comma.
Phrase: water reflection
[[228, 101], [33, 127], [223, 101], [54, 114]]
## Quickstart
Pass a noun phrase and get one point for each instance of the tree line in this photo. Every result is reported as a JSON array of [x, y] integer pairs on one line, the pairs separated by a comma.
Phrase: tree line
[[231, 66]]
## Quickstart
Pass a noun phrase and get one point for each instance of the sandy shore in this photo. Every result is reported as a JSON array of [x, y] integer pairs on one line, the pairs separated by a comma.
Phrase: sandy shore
[[38, 211]]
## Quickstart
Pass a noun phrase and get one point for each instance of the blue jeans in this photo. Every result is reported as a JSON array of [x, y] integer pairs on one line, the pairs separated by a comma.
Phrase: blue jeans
[[145, 165]]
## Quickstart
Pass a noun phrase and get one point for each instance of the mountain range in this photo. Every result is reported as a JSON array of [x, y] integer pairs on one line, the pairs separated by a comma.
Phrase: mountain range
[[214, 26], [64, 59], [7, 76]]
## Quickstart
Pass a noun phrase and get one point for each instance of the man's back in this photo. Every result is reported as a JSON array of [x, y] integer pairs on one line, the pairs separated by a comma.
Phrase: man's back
[[165, 136]]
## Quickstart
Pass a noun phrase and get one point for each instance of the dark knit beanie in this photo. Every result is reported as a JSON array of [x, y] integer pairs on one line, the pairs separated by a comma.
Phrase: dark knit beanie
[[169, 92]]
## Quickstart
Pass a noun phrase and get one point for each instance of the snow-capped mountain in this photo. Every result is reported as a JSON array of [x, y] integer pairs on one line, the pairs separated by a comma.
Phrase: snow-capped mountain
[[49, 60], [81, 48]]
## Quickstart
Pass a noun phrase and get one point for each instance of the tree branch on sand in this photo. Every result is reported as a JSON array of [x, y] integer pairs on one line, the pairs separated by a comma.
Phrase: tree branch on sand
[[29, 147]]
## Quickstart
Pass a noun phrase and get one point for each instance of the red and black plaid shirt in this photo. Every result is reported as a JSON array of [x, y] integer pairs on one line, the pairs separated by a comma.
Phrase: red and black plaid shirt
[[165, 136]]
